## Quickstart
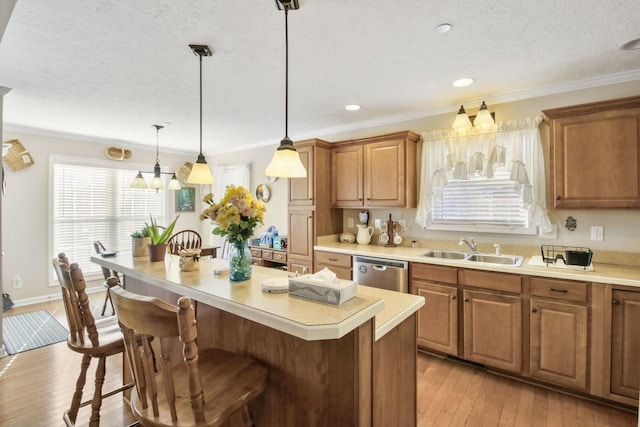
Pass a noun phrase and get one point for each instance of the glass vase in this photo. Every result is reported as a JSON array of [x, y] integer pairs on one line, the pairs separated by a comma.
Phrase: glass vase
[[239, 261]]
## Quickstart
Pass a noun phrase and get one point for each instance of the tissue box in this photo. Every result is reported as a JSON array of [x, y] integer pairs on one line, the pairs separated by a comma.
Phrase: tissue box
[[308, 286]]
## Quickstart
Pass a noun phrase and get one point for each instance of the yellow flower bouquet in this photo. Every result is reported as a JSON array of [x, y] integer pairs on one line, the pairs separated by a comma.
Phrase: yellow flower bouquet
[[236, 216]]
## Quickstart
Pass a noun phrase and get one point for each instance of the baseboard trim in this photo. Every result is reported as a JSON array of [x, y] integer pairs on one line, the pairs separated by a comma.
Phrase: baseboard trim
[[53, 297]]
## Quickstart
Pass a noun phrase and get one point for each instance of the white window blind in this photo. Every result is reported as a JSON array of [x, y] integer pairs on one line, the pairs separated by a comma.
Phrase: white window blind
[[95, 203]]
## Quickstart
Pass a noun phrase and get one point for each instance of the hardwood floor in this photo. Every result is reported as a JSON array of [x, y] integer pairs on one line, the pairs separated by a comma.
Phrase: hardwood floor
[[36, 388]]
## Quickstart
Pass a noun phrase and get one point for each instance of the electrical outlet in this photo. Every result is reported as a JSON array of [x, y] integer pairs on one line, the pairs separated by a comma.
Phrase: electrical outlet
[[377, 223], [17, 282], [597, 232], [403, 224], [350, 222]]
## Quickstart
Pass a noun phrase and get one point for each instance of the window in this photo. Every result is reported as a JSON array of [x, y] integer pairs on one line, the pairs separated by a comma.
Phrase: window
[[92, 201], [484, 181]]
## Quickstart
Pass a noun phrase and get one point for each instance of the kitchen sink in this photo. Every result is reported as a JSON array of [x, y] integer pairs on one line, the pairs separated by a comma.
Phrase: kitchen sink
[[497, 259], [446, 254], [512, 260]]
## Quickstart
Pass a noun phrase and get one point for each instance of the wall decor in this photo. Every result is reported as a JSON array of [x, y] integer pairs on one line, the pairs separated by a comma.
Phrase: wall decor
[[186, 199], [263, 193]]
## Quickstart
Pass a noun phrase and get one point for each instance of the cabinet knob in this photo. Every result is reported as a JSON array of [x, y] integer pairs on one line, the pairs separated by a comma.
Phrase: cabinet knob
[[558, 197], [454, 297], [616, 302], [466, 300], [534, 310]]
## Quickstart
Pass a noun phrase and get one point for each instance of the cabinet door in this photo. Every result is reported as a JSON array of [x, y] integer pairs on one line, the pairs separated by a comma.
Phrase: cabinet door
[[493, 330], [299, 266], [301, 189], [438, 318], [384, 173], [300, 238], [596, 158], [558, 343], [346, 177], [625, 343]]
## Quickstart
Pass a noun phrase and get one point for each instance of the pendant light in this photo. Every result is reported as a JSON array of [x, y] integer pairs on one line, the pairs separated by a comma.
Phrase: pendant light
[[200, 173], [286, 161], [462, 122], [483, 120], [156, 181]]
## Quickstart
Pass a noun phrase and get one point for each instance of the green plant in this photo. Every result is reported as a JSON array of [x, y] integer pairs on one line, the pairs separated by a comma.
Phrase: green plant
[[141, 233], [158, 238]]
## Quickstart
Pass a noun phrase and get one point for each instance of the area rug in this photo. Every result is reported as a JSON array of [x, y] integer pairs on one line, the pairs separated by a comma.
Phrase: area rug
[[27, 331]]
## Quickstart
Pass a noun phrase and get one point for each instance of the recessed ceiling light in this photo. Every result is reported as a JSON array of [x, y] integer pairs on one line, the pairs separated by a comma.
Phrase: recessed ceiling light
[[352, 107], [443, 28], [463, 82], [631, 45]]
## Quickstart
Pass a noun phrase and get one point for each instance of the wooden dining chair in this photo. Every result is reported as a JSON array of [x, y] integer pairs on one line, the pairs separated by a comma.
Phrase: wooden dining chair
[[185, 239], [111, 278], [204, 387], [94, 339]]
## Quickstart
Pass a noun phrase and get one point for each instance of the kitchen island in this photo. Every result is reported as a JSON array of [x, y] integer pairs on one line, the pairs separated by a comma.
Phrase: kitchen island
[[352, 364]]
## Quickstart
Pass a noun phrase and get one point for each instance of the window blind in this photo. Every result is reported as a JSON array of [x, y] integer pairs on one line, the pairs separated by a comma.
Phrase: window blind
[[95, 203]]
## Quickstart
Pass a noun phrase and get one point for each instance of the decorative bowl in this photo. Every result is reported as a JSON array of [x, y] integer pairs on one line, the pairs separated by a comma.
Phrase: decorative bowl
[[347, 237]]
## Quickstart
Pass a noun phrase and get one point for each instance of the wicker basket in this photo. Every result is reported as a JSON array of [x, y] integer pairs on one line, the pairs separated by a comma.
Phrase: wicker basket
[[17, 156]]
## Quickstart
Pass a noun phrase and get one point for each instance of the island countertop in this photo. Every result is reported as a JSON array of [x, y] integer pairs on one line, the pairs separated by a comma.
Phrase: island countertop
[[306, 319]]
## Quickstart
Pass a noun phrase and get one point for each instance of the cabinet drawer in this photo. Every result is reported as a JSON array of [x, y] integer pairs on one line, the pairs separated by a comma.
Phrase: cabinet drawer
[[331, 258], [559, 289], [267, 254], [434, 273], [341, 272], [490, 280], [279, 256], [256, 253]]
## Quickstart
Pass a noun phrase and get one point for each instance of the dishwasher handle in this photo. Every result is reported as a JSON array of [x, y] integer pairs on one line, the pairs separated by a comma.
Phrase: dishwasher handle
[[379, 267]]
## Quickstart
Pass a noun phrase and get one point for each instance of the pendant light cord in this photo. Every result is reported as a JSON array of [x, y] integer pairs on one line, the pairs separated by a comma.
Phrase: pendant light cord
[[286, 72], [200, 104]]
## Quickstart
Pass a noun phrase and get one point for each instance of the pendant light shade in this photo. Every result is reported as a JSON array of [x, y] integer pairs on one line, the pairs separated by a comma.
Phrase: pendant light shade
[[174, 184], [286, 161], [462, 121], [200, 173], [139, 182], [483, 119]]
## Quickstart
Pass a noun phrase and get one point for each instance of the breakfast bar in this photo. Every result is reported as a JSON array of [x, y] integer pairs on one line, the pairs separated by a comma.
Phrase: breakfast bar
[[352, 364]]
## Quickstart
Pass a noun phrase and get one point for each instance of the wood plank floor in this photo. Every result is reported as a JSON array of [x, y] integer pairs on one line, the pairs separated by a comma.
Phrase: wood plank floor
[[36, 388]]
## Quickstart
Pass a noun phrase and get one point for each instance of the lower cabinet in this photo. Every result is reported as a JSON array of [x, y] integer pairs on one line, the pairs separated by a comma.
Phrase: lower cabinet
[[438, 318], [340, 264], [493, 329], [558, 343], [625, 343]]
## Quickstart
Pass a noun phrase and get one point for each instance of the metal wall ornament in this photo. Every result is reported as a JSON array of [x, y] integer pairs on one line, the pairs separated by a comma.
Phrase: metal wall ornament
[[571, 223]]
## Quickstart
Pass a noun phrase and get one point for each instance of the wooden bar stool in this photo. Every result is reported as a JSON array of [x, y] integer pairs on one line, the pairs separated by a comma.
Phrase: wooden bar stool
[[185, 239], [110, 278], [201, 388], [93, 339]]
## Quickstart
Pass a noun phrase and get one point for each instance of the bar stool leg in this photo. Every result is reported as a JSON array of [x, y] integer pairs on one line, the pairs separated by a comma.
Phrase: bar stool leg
[[77, 395], [94, 421]]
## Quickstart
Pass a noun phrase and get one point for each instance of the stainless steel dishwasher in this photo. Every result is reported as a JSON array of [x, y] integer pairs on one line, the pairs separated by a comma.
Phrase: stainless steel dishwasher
[[381, 273]]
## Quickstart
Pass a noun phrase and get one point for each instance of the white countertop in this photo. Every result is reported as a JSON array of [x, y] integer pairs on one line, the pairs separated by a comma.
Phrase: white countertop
[[306, 319], [603, 273]]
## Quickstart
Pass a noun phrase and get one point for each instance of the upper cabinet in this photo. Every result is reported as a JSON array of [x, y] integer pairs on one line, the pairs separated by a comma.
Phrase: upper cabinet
[[375, 172], [595, 154]]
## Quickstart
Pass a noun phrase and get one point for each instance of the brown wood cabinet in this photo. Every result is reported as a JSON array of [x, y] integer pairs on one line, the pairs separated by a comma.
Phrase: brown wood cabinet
[[595, 154], [438, 318], [493, 329], [340, 264], [558, 331], [375, 172], [310, 212], [625, 343], [558, 343], [268, 257]]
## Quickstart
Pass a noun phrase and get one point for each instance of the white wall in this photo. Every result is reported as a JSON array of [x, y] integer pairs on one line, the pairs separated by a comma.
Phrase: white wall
[[25, 223]]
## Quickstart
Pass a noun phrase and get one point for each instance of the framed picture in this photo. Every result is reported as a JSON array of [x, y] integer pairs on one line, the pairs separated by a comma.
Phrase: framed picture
[[186, 199]]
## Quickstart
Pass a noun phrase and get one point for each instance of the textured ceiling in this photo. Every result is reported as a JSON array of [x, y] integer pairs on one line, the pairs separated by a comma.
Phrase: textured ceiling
[[107, 70]]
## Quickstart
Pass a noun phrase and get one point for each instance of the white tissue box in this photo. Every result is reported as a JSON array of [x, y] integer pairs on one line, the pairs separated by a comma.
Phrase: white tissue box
[[309, 286]]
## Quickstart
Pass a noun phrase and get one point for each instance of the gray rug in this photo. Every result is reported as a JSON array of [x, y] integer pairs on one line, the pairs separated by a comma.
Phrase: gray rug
[[27, 331]]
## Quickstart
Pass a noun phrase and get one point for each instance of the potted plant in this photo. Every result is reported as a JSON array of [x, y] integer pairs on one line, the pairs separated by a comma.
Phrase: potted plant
[[139, 242], [158, 239]]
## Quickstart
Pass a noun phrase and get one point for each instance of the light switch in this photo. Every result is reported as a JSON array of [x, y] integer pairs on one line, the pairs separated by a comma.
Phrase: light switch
[[597, 232]]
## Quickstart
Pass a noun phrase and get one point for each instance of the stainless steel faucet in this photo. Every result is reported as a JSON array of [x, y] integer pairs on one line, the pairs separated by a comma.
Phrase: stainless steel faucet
[[472, 245]]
